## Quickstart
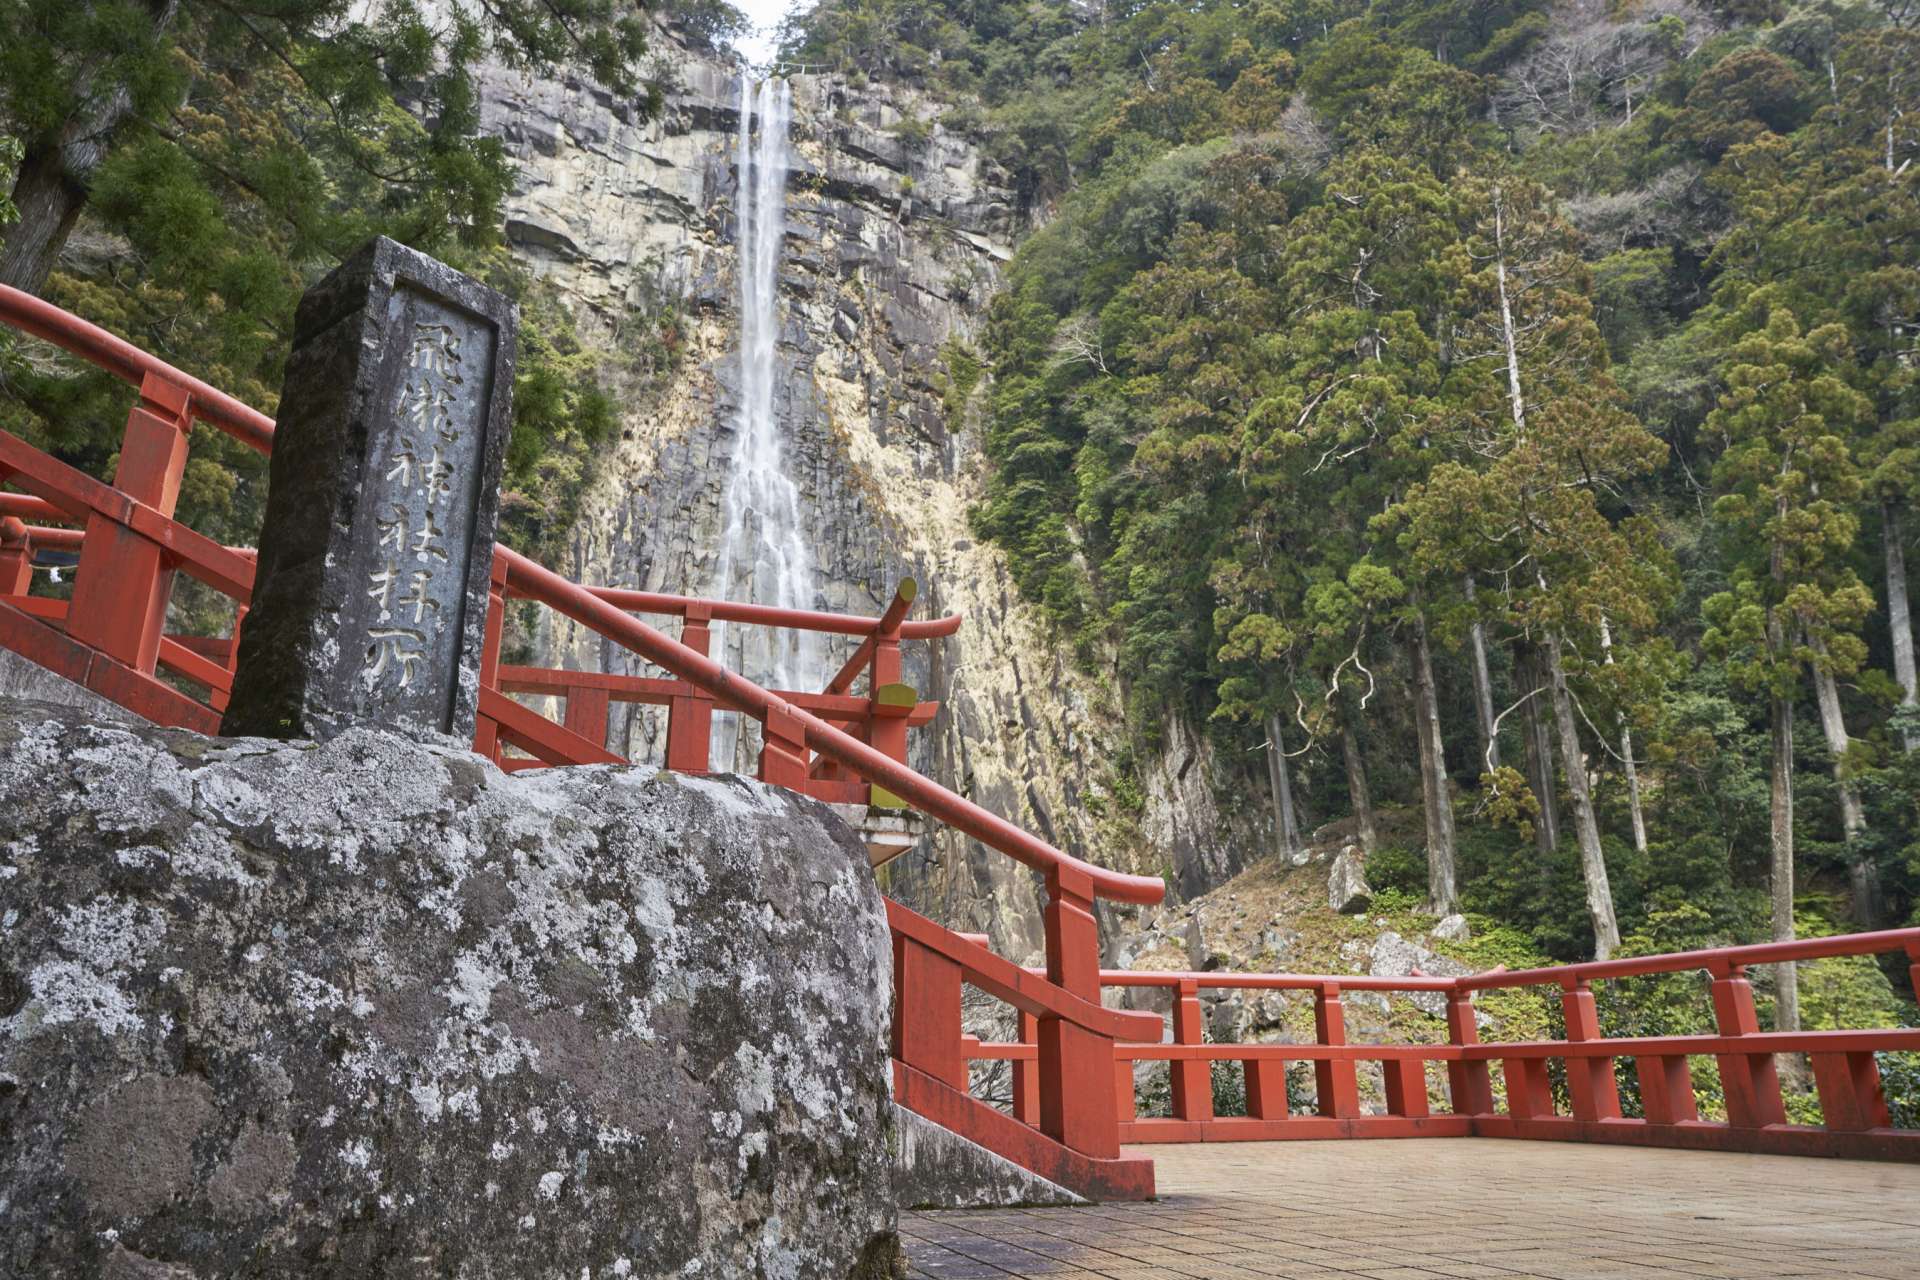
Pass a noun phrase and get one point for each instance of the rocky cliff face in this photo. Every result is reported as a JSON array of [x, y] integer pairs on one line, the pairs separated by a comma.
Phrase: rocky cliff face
[[896, 240]]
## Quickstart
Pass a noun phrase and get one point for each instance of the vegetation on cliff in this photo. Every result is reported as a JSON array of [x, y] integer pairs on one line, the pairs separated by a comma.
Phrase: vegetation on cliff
[[1441, 396], [179, 172]]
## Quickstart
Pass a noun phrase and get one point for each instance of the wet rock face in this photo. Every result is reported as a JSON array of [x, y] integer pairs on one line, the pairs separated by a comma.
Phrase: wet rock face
[[375, 1009], [894, 250]]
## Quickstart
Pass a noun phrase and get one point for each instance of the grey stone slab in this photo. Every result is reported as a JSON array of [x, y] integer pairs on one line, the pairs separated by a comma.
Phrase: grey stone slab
[[936, 1168], [370, 600]]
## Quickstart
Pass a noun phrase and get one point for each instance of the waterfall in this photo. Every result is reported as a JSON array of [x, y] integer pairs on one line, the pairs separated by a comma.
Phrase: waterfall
[[764, 551]]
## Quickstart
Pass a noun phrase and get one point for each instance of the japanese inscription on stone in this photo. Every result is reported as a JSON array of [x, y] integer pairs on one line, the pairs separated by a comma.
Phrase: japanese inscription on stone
[[416, 569], [371, 595]]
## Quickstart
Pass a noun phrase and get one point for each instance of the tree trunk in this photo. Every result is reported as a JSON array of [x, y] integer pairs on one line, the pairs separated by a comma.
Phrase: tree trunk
[[1626, 756], [1900, 618], [1586, 829], [1862, 875], [1539, 750], [1483, 691], [1357, 788], [1436, 795], [49, 205], [51, 188], [1780, 813], [1286, 820]]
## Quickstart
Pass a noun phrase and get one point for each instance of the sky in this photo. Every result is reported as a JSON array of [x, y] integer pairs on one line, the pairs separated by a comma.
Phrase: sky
[[765, 16]]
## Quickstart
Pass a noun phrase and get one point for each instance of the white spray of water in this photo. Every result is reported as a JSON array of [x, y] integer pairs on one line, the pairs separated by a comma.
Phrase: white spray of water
[[764, 554]]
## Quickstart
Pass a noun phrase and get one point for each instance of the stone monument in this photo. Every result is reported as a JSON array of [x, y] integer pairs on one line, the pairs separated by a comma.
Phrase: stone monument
[[370, 596]]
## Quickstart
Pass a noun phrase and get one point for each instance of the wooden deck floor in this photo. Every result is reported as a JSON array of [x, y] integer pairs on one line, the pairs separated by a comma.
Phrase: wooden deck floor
[[1468, 1207]]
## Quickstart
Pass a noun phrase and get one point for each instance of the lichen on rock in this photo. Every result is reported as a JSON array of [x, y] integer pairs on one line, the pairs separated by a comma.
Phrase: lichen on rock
[[374, 1008]]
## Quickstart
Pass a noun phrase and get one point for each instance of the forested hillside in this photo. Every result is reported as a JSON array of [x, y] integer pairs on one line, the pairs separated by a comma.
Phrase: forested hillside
[[1506, 410]]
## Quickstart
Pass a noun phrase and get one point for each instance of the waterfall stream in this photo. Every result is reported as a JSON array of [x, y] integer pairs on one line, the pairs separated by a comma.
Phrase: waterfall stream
[[764, 552]]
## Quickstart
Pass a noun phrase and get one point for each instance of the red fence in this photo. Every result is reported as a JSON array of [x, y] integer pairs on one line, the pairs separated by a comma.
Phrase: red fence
[[1854, 1117], [111, 637], [1073, 1068]]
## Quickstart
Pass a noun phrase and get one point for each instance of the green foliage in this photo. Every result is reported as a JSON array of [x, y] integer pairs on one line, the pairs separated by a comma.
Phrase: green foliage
[[243, 153], [1336, 315]]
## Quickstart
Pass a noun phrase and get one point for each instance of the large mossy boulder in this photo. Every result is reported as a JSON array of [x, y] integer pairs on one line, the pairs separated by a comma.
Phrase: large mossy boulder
[[376, 1009]]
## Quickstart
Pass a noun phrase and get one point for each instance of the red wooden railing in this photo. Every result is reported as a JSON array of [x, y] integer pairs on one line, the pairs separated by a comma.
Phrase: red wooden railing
[[1854, 1117], [110, 637], [1073, 1097]]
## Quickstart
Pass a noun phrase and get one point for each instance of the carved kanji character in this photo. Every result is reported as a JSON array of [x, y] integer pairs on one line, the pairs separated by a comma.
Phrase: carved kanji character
[[436, 349], [380, 587], [422, 602], [390, 648]]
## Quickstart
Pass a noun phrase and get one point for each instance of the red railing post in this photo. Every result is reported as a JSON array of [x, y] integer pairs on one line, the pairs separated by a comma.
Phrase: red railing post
[[123, 582], [1192, 1077], [1469, 1083], [1751, 1081], [1076, 1065], [1595, 1094], [690, 714], [1336, 1081], [486, 733], [926, 1013], [16, 558], [1026, 1074]]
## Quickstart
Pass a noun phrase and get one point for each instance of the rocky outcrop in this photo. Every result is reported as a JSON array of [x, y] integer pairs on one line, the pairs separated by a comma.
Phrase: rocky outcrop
[[377, 1009], [1347, 888], [897, 231]]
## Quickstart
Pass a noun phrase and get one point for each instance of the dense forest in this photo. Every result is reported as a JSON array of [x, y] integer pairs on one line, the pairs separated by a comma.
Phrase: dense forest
[[1503, 410]]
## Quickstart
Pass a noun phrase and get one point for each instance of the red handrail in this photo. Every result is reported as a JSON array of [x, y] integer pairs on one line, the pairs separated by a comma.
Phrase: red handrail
[[766, 615], [129, 363], [583, 606], [1716, 959]]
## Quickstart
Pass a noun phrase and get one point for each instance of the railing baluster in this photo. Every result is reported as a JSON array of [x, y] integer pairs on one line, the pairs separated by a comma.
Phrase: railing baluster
[[926, 1012], [124, 580], [690, 715], [586, 713], [1266, 1088], [1751, 1080], [1406, 1081], [1337, 1081], [1666, 1088], [1529, 1090], [1851, 1098], [1469, 1083], [1126, 1104], [1026, 1074], [783, 750], [1076, 1065], [1595, 1093]]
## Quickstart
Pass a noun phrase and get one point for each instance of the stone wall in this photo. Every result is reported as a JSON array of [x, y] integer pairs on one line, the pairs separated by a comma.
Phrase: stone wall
[[378, 1009], [892, 251]]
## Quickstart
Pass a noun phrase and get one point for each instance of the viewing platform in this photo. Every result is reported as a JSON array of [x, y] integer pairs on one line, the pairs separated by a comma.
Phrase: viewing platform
[[1455, 1207]]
